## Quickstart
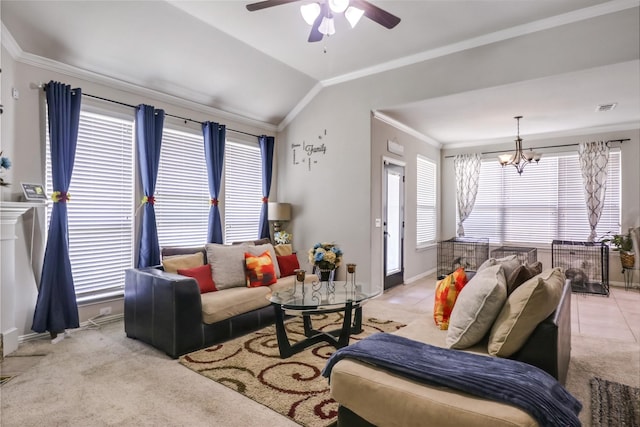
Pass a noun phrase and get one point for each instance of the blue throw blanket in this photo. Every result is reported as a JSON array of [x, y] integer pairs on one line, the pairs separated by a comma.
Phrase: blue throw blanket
[[503, 380]]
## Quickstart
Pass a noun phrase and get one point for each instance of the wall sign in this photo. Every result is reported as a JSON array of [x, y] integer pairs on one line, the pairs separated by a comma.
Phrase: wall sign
[[309, 152]]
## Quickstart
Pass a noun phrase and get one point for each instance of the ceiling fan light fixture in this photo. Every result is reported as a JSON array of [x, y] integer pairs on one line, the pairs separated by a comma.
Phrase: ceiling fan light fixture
[[338, 6], [353, 15], [310, 12], [327, 26]]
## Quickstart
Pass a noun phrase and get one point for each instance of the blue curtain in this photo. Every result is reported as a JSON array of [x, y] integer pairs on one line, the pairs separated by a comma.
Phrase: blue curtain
[[266, 154], [56, 308], [149, 122], [214, 140]]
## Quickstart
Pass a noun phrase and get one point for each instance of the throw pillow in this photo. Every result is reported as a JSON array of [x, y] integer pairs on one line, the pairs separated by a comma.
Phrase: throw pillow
[[283, 249], [522, 274], [227, 265], [508, 263], [171, 264], [477, 307], [288, 264], [528, 305], [259, 249], [447, 291], [202, 275], [260, 269]]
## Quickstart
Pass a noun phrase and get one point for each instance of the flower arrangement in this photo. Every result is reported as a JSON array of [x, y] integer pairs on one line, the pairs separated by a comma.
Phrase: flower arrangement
[[325, 256], [5, 163], [282, 237]]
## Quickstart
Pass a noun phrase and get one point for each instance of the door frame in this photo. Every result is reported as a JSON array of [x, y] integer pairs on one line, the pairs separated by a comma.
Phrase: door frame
[[383, 199]]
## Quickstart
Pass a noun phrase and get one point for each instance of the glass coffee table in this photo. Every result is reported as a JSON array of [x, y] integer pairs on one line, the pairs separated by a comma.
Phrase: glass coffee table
[[319, 298]]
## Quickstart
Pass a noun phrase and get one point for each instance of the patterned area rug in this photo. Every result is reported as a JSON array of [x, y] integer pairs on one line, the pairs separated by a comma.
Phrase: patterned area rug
[[614, 404], [293, 387]]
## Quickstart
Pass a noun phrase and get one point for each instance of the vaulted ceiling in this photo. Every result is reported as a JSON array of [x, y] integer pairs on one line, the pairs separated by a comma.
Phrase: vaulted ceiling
[[259, 65]]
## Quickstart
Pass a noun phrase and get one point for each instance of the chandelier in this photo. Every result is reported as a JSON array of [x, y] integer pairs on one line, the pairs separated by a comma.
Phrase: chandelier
[[311, 11], [519, 158]]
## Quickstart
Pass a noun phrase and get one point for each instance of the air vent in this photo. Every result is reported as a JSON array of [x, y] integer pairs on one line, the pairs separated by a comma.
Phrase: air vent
[[606, 107]]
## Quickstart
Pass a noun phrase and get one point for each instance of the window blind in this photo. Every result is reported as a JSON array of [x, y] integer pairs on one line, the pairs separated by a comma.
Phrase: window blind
[[242, 192], [100, 210], [426, 217], [182, 190], [545, 203]]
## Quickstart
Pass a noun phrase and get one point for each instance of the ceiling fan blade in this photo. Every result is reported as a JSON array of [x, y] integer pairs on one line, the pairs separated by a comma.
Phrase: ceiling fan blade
[[315, 35], [267, 3], [376, 14]]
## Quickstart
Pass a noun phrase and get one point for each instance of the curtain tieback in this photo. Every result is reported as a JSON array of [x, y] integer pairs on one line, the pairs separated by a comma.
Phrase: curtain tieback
[[265, 199], [149, 199], [60, 197], [213, 202]]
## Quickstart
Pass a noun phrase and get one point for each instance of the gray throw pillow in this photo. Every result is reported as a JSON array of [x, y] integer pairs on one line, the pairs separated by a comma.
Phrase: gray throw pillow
[[227, 265]]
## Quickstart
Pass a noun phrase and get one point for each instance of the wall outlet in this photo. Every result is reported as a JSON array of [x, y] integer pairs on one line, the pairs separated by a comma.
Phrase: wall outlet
[[104, 311]]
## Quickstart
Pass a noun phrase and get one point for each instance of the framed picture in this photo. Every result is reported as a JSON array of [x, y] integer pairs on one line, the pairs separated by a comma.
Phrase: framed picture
[[33, 191]]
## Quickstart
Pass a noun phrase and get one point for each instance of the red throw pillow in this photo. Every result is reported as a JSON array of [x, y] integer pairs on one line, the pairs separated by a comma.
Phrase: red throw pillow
[[203, 277], [288, 264], [260, 269]]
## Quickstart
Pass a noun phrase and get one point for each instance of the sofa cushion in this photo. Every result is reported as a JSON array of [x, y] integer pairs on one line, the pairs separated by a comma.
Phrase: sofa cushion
[[526, 307], [259, 249], [477, 307], [521, 274], [203, 277], [260, 269], [447, 291], [508, 263], [224, 304], [171, 264], [288, 264], [227, 265]]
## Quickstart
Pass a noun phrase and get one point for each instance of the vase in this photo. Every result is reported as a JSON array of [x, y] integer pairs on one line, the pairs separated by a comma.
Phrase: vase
[[627, 259], [325, 275]]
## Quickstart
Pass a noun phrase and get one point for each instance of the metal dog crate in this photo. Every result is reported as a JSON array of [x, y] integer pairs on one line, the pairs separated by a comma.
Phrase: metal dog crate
[[465, 252], [525, 255], [586, 264]]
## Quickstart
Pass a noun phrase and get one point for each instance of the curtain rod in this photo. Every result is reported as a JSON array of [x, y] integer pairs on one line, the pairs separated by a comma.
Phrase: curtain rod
[[186, 119], [547, 146]]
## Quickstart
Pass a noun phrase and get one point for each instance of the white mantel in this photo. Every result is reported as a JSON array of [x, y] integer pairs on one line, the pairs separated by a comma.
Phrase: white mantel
[[10, 212]]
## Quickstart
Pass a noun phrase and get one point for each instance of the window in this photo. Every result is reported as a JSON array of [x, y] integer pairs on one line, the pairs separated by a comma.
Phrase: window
[[242, 191], [182, 190], [101, 207], [426, 217], [545, 203]]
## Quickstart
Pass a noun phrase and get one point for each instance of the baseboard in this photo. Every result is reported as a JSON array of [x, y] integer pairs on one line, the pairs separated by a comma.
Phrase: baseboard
[[98, 320], [419, 276]]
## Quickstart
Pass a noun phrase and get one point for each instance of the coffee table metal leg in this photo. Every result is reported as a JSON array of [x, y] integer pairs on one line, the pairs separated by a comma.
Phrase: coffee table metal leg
[[281, 334], [357, 321]]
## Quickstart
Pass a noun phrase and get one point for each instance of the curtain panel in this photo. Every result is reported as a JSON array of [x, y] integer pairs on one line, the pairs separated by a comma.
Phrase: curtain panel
[[214, 140], [467, 170], [266, 153], [56, 307], [594, 165], [149, 123]]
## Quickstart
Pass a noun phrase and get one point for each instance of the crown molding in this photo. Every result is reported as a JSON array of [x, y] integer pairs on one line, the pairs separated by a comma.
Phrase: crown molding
[[497, 36], [121, 84], [404, 128], [300, 106]]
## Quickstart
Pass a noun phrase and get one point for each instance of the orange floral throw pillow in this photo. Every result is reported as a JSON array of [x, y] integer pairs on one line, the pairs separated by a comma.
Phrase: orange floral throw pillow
[[260, 269], [447, 291]]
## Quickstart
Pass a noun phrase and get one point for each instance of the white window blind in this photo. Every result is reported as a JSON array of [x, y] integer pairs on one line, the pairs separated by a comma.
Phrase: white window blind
[[100, 210], [545, 203], [242, 191], [182, 190], [426, 216]]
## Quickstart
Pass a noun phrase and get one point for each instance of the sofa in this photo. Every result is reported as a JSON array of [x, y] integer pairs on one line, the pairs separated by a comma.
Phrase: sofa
[[169, 311], [373, 396]]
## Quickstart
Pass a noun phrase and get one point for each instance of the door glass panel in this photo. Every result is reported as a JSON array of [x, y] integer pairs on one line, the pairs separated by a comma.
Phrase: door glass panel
[[394, 181]]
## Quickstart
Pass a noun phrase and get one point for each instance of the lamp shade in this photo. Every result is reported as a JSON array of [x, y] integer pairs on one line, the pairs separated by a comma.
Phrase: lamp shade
[[279, 211]]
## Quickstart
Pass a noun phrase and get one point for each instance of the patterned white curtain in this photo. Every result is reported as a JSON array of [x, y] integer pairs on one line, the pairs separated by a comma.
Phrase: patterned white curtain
[[467, 167], [594, 161]]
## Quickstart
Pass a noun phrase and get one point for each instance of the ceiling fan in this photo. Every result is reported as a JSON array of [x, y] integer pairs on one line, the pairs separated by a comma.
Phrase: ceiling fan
[[320, 14]]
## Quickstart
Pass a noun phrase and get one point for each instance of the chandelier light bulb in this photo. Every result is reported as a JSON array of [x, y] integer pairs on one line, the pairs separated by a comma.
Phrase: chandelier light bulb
[[353, 15], [338, 6], [327, 26], [310, 12]]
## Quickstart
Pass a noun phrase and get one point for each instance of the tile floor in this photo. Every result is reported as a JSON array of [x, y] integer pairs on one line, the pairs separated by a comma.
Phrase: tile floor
[[616, 316]]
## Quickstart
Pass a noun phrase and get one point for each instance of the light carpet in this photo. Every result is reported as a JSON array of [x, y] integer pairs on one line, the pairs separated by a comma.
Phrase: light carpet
[[293, 387]]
